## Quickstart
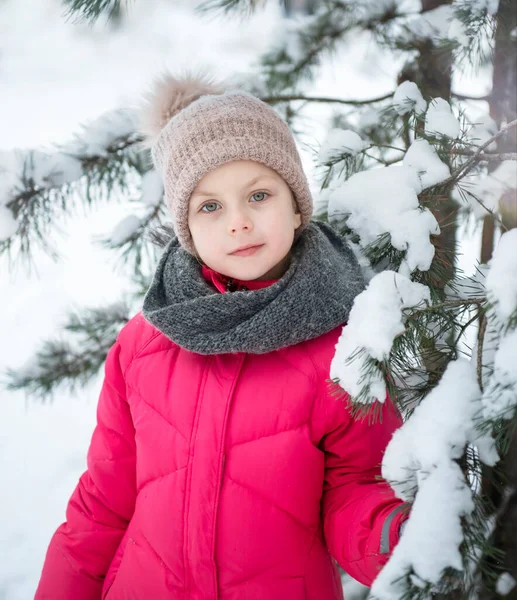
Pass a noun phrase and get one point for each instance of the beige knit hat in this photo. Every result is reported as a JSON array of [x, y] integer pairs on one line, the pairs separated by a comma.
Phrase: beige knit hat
[[193, 125]]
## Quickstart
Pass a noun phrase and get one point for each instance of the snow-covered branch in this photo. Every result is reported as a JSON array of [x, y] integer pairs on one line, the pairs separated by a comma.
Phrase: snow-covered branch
[[465, 168], [421, 465], [38, 187]]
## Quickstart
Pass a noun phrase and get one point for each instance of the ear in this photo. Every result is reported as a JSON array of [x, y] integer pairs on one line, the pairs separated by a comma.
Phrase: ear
[[297, 213]]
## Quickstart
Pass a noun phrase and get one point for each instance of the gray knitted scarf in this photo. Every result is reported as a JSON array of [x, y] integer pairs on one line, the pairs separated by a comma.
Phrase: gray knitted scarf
[[313, 296]]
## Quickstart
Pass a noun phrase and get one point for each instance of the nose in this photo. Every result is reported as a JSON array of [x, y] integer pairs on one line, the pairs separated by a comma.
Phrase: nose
[[239, 220]]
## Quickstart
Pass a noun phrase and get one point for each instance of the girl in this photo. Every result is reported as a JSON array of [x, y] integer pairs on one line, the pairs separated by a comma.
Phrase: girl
[[221, 466]]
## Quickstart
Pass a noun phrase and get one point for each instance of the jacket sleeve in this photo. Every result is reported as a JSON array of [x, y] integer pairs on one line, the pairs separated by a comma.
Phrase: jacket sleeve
[[101, 505], [361, 515]]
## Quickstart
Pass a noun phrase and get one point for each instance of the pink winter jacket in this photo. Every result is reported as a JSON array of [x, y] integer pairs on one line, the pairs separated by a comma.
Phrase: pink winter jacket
[[229, 477]]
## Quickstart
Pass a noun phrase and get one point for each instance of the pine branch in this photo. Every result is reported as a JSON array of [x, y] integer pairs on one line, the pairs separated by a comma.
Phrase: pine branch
[[468, 166], [479, 28], [488, 156], [293, 97], [91, 10], [245, 7], [135, 247], [321, 35], [60, 363], [41, 200], [449, 304], [480, 339]]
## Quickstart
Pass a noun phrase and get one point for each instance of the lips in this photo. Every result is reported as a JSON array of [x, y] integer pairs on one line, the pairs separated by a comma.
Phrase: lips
[[247, 250]]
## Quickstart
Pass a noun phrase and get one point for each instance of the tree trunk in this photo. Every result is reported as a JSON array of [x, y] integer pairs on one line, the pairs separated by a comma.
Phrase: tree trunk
[[434, 68], [434, 73], [503, 109]]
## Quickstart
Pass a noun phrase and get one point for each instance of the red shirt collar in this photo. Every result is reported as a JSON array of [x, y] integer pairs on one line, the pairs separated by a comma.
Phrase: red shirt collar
[[227, 284]]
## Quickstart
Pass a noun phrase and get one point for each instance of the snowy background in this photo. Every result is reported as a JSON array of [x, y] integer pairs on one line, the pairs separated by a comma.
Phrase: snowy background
[[56, 76]]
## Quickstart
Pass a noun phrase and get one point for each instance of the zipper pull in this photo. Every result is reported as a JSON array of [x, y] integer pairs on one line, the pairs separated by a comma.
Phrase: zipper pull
[[231, 286]]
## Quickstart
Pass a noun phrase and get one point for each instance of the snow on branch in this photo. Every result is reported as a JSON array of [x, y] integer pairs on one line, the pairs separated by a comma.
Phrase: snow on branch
[[478, 155], [385, 201], [500, 394], [36, 187], [376, 319], [408, 98], [339, 143], [306, 42], [439, 120], [420, 463], [386, 341], [501, 281]]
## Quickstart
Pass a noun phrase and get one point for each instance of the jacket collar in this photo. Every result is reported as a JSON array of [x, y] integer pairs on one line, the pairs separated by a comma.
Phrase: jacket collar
[[226, 284]]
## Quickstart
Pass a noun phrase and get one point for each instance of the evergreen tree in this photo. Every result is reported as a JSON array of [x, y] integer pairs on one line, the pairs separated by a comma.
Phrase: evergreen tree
[[397, 173]]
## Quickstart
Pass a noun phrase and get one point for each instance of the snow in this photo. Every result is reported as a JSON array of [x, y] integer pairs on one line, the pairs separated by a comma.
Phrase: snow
[[500, 395], [482, 192], [353, 590], [468, 287], [385, 201], [422, 157], [479, 6], [430, 25], [408, 98], [482, 130], [8, 224], [376, 9], [501, 281], [289, 32], [369, 118], [97, 136], [341, 142], [437, 431], [125, 229], [432, 536], [440, 121], [458, 32], [419, 463], [74, 75], [152, 188], [505, 584], [8, 179], [44, 169], [464, 35], [49, 170], [375, 320]]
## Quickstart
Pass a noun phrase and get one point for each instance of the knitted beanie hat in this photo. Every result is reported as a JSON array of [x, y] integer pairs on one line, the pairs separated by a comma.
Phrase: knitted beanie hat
[[193, 125]]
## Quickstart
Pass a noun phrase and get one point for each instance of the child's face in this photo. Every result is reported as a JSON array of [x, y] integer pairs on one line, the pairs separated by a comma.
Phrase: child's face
[[240, 203]]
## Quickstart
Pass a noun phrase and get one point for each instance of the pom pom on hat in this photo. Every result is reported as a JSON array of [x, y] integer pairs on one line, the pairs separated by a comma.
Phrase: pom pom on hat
[[168, 96]]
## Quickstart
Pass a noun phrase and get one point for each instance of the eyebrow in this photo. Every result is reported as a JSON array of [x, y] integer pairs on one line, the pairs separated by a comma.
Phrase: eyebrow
[[244, 187]]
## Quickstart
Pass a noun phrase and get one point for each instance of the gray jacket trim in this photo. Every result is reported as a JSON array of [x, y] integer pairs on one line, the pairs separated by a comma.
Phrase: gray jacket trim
[[385, 533]]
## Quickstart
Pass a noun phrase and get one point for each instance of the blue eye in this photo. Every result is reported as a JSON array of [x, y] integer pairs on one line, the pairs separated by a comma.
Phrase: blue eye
[[209, 204], [263, 194]]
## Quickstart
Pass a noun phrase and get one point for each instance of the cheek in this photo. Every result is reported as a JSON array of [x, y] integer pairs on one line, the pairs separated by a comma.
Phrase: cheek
[[197, 236]]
